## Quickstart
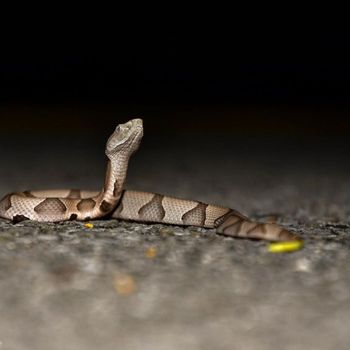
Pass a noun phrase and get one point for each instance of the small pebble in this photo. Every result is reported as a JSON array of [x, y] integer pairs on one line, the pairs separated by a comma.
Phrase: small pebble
[[11, 246], [166, 231], [151, 252], [303, 265], [124, 285]]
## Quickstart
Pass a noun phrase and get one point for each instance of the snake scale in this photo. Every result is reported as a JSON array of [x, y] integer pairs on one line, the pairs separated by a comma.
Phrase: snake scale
[[115, 202]]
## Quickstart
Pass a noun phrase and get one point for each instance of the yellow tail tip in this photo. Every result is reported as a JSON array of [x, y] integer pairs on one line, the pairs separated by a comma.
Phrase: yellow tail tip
[[286, 246]]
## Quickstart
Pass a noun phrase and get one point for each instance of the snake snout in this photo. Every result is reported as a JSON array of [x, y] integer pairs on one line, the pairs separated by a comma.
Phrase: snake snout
[[137, 123]]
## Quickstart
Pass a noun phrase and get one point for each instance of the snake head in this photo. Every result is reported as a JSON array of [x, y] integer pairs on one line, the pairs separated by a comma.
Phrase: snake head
[[126, 137]]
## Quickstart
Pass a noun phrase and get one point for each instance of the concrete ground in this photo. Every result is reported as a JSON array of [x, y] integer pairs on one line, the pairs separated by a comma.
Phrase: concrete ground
[[122, 285]]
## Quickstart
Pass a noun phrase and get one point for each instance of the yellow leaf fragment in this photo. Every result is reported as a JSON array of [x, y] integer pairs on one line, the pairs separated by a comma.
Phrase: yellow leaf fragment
[[285, 247], [89, 225], [124, 284], [151, 252]]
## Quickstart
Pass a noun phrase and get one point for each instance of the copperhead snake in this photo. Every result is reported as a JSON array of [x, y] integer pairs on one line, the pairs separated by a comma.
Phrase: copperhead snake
[[115, 202]]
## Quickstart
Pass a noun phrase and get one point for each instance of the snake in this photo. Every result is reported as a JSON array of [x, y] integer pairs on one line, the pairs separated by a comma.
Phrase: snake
[[114, 202]]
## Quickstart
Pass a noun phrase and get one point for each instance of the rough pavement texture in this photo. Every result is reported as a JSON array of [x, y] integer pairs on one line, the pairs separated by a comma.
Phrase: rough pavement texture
[[121, 285]]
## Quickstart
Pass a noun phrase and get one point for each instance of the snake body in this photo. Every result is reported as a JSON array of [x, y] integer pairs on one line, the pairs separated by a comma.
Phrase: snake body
[[112, 201]]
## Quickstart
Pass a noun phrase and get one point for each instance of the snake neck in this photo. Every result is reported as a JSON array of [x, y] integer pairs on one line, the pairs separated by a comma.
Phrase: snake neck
[[110, 195]]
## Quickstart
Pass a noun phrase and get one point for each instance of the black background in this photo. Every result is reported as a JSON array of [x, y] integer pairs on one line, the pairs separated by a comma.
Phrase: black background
[[244, 84]]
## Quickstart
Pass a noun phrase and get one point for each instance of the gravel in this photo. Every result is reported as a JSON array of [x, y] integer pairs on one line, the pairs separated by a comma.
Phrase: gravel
[[135, 286]]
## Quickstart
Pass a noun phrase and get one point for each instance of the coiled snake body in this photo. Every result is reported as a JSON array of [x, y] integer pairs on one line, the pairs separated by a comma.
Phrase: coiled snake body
[[112, 201]]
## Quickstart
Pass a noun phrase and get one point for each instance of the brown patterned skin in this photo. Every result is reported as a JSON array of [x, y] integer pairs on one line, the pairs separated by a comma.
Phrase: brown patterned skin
[[112, 201], [150, 207], [60, 205]]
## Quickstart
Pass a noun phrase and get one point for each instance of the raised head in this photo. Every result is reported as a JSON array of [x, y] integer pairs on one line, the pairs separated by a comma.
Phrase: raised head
[[126, 137]]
